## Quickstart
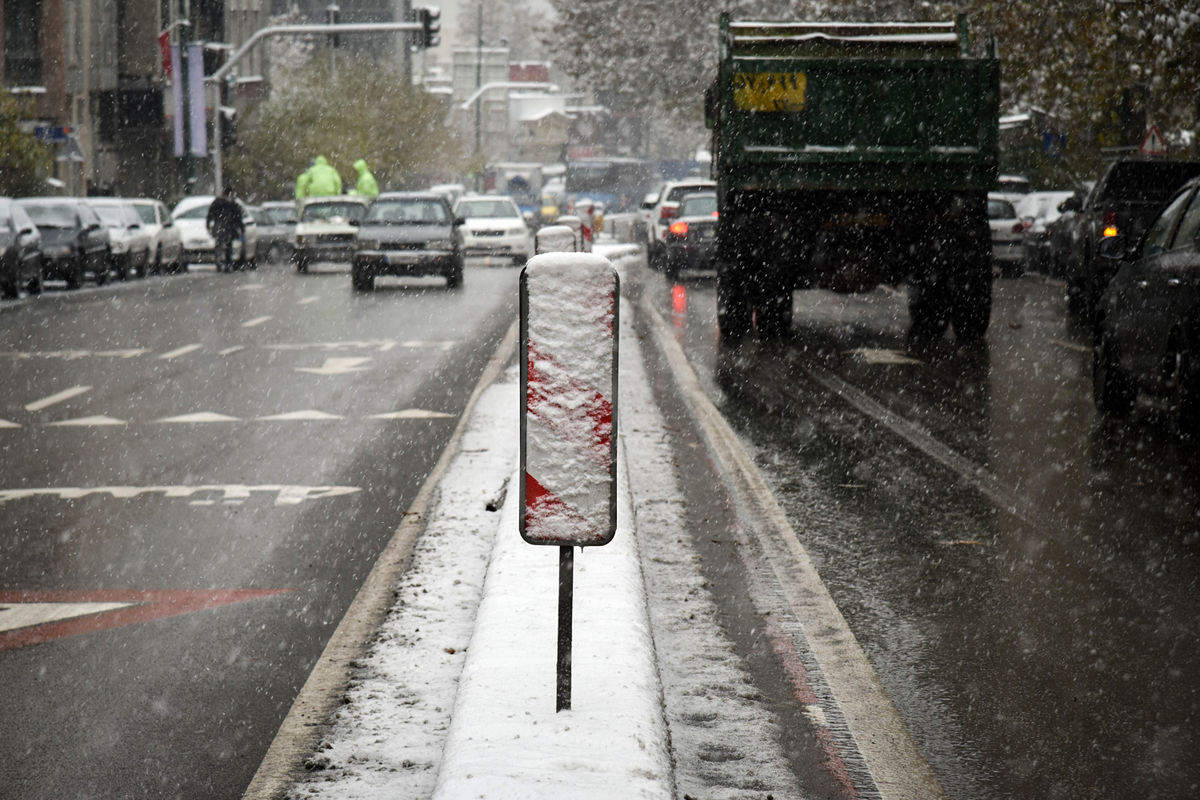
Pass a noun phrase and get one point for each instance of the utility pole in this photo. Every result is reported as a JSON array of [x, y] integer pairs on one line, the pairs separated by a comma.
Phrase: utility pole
[[332, 11], [478, 83]]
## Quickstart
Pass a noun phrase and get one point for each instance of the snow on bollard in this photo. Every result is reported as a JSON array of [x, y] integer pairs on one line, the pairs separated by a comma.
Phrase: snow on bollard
[[555, 239], [569, 324]]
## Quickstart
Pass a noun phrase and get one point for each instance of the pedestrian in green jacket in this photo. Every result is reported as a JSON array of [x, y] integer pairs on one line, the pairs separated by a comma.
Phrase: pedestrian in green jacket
[[366, 186], [323, 179]]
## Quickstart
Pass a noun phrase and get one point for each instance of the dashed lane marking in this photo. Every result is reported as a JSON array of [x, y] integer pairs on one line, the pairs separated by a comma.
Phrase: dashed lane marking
[[412, 413], [72, 355], [253, 323], [87, 422], [200, 416], [65, 394], [6, 424], [336, 366], [302, 415], [312, 298], [231, 350], [180, 351], [26, 615]]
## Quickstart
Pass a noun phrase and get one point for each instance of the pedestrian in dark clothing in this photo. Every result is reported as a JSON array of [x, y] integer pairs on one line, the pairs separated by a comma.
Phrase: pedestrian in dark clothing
[[224, 222]]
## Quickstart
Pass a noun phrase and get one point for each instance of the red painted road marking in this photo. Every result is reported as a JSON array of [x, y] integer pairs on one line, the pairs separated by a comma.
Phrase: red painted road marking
[[146, 605]]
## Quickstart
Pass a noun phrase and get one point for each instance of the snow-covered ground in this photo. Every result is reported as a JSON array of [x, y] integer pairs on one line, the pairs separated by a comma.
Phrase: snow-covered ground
[[456, 698]]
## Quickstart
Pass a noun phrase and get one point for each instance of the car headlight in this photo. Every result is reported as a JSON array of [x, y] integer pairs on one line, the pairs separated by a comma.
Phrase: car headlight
[[440, 244], [516, 231]]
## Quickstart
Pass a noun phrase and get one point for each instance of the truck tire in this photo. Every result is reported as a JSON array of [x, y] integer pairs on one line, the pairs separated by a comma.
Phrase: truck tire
[[773, 315], [733, 307], [928, 307]]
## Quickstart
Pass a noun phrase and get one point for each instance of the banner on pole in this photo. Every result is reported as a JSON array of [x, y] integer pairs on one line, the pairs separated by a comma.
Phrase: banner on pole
[[569, 324], [177, 85], [197, 116]]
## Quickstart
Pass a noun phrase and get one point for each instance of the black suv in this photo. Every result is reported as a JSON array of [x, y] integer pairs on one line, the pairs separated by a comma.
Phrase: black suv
[[407, 233], [1123, 202]]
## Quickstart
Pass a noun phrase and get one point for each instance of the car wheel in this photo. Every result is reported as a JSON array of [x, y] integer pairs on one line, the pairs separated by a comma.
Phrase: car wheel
[[157, 268], [301, 262], [101, 272], [362, 279], [1112, 390], [454, 278], [10, 289], [37, 282], [74, 277]]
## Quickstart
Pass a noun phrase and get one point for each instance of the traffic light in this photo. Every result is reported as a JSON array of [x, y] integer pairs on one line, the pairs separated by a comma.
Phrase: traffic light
[[431, 25]]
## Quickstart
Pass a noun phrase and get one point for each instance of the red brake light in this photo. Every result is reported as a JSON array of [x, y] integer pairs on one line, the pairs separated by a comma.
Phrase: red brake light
[[668, 212], [679, 228]]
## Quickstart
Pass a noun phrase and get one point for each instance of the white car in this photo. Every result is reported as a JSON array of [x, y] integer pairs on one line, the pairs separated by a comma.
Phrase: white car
[[191, 214], [166, 245], [493, 225], [658, 210], [1008, 236], [327, 229], [128, 242]]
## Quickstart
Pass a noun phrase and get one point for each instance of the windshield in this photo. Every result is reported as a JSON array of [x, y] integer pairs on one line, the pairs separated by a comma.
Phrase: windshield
[[199, 212], [328, 211], [51, 215], [1001, 209], [146, 212], [491, 209], [111, 216], [426, 211], [279, 215]]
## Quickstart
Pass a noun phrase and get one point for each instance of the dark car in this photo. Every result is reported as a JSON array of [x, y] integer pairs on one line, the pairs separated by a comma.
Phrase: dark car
[[20, 251], [74, 242], [1059, 232], [691, 238], [1123, 202], [276, 230], [408, 234], [1147, 329]]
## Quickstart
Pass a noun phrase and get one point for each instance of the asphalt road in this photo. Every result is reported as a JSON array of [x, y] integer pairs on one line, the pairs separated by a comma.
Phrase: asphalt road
[[1021, 574], [197, 474]]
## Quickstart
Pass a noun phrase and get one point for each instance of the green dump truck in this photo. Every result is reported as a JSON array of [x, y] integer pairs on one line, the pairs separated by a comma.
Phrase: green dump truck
[[849, 155]]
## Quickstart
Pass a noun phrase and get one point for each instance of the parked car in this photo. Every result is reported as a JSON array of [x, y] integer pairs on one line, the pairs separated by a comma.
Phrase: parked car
[[191, 214], [1123, 202], [493, 225], [658, 210], [20, 251], [74, 242], [327, 228], [1008, 236], [1038, 210], [691, 238], [276, 230], [1060, 232], [407, 233], [1147, 327], [128, 243], [1012, 187], [166, 245]]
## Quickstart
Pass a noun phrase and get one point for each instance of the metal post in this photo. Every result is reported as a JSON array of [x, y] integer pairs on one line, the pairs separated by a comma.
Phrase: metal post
[[566, 593], [331, 17], [182, 86]]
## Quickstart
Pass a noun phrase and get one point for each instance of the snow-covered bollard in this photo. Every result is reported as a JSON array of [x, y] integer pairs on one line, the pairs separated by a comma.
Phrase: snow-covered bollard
[[555, 239], [576, 224], [569, 324]]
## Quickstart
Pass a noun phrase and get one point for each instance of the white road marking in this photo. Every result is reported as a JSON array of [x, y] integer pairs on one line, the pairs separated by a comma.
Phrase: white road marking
[[90, 421], [231, 350], [250, 287], [250, 323], [180, 351], [200, 416], [1079, 348], [874, 355], [312, 298], [71, 355], [65, 394], [302, 415], [411, 413], [336, 366], [6, 424], [285, 494], [26, 615]]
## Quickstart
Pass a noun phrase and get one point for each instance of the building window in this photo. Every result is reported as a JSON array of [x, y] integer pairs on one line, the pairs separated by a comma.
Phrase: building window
[[22, 53]]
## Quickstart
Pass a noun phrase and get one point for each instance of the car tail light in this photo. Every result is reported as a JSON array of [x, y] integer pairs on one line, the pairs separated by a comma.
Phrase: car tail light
[[668, 212], [1110, 223], [679, 228], [1022, 226]]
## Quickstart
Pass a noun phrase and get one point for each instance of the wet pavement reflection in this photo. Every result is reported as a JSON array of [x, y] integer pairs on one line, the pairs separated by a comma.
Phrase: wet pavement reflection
[[1022, 575]]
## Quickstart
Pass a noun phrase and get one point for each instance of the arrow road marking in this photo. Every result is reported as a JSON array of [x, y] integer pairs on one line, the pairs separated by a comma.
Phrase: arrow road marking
[[336, 366], [25, 615], [65, 394], [285, 494]]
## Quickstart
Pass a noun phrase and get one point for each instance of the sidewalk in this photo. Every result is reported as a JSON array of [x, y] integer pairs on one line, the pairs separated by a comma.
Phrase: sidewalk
[[456, 696]]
